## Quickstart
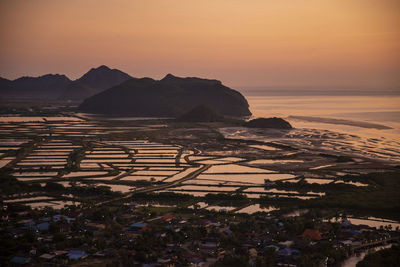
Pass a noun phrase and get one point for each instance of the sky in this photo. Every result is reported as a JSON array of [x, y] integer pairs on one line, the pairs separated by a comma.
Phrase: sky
[[353, 43]]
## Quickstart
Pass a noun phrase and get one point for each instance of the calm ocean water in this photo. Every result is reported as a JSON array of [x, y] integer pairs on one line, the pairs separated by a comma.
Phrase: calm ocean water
[[365, 124], [372, 108]]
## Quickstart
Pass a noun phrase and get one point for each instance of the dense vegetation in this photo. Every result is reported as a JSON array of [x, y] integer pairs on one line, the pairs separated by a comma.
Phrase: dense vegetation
[[389, 257], [10, 185], [381, 198]]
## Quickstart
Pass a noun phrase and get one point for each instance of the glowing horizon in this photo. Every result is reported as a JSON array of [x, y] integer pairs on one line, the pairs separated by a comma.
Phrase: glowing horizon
[[265, 43]]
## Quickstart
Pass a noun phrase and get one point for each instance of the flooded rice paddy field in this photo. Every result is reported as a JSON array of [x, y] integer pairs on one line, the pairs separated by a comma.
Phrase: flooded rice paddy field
[[150, 157]]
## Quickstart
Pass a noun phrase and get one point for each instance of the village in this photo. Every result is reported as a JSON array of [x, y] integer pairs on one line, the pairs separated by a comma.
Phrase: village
[[151, 235]]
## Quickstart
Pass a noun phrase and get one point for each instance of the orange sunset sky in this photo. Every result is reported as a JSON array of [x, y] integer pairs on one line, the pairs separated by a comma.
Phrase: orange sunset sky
[[241, 42]]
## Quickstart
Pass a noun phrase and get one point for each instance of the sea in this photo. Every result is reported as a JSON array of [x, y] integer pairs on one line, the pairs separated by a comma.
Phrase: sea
[[365, 122]]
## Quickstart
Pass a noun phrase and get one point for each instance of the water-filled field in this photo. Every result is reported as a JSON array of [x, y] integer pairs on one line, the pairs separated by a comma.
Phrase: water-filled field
[[129, 165]]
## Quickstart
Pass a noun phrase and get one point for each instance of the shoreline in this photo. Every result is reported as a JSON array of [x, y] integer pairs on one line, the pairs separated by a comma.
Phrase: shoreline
[[361, 124]]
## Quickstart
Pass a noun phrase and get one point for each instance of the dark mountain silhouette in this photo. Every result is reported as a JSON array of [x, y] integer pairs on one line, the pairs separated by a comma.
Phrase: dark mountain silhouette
[[276, 123], [4, 81], [5, 85], [56, 86], [201, 113], [94, 81], [48, 86], [170, 97], [75, 91]]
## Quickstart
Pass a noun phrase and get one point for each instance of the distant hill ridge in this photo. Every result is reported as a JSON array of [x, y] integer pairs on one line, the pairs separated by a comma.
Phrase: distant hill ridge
[[169, 97], [47, 86], [57, 86]]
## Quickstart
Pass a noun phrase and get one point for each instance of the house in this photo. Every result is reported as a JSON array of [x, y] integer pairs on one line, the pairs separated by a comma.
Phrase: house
[[42, 226], [346, 242], [76, 254], [47, 256], [168, 217], [228, 231], [209, 243], [286, 243], [59, 252], [350, 232], [38, 227], [105, 252], [57, 218], [19, 260], [288, 252], [136, 227], [345, 224], [195, 259], [311, 234], [29, 225]]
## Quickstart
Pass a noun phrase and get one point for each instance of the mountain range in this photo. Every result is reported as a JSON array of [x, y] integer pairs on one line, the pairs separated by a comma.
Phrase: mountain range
[[169, 97], [113, 92], [60, 87]]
